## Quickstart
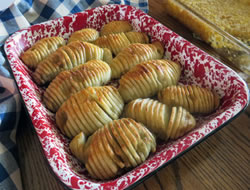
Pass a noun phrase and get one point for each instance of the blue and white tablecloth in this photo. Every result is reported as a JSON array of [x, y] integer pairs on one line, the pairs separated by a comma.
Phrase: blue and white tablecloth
[[22, 14]]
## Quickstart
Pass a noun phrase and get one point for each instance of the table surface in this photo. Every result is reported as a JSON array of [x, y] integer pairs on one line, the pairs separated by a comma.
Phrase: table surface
[[220, 162]]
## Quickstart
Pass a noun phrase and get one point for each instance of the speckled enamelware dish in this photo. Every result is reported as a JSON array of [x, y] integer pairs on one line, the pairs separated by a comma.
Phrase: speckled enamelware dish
[[197, 68]]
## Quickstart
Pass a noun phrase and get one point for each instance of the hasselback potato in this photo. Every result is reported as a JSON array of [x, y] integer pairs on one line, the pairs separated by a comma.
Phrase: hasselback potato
[[88, 110], [117, 42], [193, 98], [120, 144], [66, 83], [68, 57], [115, 27], [147, 78], [85, 35], [133, 55], [165, 121], [40, 50]]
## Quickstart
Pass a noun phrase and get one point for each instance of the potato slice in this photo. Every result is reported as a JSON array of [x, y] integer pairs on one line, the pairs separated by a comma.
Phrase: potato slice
[[108, 98], [76, 146], [137, 37], [176, 123], [115, 146], [116, 135], [108, 148], [121, 130]]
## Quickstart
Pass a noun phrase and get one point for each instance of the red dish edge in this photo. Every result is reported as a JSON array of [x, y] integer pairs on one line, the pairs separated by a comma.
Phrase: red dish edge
[[198, 68]]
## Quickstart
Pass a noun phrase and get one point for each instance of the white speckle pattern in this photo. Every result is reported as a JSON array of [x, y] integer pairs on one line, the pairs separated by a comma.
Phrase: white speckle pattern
[[197, 68]]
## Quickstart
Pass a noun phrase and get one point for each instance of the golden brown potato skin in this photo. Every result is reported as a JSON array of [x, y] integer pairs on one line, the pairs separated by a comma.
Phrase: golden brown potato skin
[[115, 27], [137, 37], [85, 35], [120, 144], [133, 55], [40, 50], [193, 98], [88, 110], [147, 78], [93, 73], [114, 42], [66, 58], [166, 122], [117, 42]]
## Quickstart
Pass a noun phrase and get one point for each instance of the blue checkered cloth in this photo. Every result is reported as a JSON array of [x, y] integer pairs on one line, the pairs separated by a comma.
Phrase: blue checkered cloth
[[22, 14]]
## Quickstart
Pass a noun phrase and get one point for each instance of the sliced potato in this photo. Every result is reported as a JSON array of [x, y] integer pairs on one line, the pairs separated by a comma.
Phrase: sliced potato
[[164, 121], [120, 144], [193, 98]]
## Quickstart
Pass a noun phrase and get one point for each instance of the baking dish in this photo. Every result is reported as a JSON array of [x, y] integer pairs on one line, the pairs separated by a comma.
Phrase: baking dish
[[197, 68], [227, 45]]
